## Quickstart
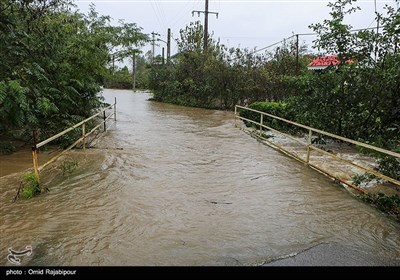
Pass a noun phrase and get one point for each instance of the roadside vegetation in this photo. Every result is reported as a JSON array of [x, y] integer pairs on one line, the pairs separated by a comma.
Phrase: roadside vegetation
[[359, 100], [388, 204], [54, 60]]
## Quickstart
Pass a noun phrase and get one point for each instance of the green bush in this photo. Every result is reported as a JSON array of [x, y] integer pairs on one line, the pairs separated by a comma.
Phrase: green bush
[[120, 79], [358, 179], [390, 166], [31, 186], [278, 109], [7, 148], [69, 166], [54, 60], [387, 204]]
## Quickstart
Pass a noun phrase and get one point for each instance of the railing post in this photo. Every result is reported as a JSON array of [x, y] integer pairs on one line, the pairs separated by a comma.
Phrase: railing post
[[308, 145], [235, 115], [34, 156], [261, 123], [104, 120], [115, 109], [35, 162], [84, 136]]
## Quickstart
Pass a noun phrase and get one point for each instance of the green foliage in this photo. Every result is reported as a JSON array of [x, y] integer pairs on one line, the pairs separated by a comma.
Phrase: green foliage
[[358, 100], [31, 186], [390, 166], [14, 105], [7, 148], [69, 166], [53, 63], [387, 204], [274, 108], [359, 179], [319, 140], [69, 138], [120, 79], [222, 77]]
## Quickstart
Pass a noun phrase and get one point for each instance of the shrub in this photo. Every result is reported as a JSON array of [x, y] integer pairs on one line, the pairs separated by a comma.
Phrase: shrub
[[31, 186], [390, 166], [7, 148], [387, 204], [278, 109], [67, 167]]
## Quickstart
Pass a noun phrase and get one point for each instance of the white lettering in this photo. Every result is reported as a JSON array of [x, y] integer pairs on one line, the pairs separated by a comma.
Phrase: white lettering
[[13, 272], [60, 272], [35, 271]]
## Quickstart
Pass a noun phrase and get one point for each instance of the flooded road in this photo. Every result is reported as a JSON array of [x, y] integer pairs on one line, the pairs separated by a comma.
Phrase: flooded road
[[170, 185]]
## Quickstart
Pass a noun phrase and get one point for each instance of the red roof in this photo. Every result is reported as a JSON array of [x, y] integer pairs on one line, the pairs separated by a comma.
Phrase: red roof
[[325, 61]]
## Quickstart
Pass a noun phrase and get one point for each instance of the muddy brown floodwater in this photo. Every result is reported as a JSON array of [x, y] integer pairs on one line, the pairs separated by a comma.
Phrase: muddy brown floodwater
[[170, 185]]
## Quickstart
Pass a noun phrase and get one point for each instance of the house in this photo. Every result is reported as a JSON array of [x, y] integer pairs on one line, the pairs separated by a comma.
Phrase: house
[[322, 62]]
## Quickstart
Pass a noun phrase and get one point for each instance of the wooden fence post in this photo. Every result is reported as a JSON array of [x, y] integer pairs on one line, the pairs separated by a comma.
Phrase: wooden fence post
[[261, 123], [34, 156]]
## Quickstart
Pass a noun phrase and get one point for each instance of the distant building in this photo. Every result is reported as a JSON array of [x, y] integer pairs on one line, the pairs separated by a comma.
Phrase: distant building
[[322, 62]]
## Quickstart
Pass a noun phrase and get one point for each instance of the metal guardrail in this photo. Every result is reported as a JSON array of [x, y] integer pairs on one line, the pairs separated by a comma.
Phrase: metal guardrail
[[82, 139], [309, 146]]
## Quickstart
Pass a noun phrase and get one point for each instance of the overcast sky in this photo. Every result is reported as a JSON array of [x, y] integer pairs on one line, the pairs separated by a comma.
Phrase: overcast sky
[[245, 24]]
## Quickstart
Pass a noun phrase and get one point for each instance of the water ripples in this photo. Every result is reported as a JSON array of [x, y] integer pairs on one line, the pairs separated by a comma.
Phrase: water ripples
[[185, 187]]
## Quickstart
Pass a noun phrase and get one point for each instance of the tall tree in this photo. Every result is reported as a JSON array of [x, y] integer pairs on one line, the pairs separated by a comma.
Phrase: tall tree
[[53, 62], [358, 98]]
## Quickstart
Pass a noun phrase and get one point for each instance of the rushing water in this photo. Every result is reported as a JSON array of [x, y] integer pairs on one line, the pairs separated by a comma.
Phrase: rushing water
[[170, 185]]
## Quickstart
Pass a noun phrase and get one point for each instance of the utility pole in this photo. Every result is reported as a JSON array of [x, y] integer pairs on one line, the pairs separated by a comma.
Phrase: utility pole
[[168, 42], [205, 44], [297, 54], [169, 45], [205, 12], [153, 44]]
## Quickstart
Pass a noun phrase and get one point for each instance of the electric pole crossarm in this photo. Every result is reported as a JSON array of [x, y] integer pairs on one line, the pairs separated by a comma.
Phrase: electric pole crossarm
[[202, 12], [205, 12]]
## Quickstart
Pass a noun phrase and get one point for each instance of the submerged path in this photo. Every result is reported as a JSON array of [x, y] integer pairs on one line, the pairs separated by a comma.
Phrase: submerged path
[[170, 185]]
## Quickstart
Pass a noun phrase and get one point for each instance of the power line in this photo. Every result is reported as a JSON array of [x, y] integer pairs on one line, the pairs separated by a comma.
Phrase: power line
[[352, 30], [303, 34], [155, 13], [160, 12], [274, 44], [247, 37], [178, 16]]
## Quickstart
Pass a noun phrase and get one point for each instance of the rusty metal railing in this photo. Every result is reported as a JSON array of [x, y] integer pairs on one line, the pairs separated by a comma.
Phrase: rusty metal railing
[[82, 139], [309, 146]]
